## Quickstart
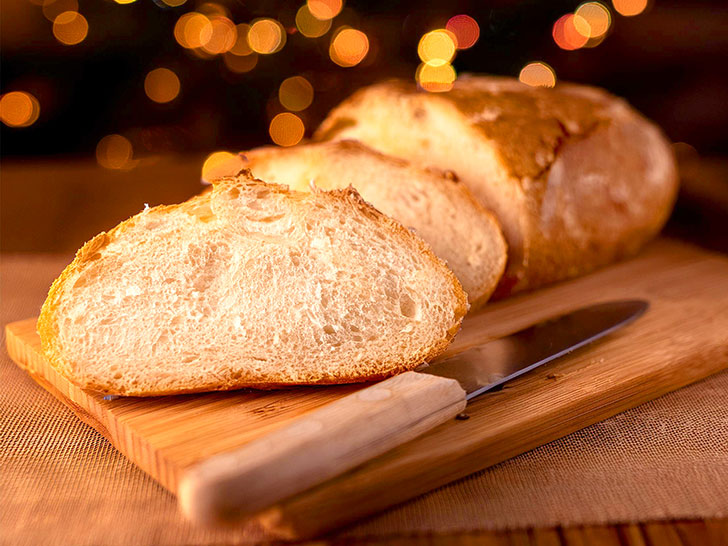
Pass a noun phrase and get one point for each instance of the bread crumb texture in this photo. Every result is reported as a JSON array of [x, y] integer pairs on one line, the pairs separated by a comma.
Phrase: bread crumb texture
[[432, 203], [249, 285]]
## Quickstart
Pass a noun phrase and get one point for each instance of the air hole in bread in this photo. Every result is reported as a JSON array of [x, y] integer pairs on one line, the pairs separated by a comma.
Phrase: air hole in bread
[[409, 307], [269, 219]]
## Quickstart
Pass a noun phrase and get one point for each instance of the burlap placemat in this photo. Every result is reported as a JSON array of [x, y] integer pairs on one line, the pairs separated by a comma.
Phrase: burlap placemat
[[62, 483]]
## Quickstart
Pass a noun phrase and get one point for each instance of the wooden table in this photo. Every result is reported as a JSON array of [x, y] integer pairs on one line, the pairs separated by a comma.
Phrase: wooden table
[[39, 196]]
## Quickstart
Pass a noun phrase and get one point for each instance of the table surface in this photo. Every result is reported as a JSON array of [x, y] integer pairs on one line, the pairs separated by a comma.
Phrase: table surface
[[38, 196]]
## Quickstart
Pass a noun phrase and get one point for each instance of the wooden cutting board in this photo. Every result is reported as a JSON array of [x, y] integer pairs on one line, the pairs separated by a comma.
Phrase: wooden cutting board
[[681, 339]]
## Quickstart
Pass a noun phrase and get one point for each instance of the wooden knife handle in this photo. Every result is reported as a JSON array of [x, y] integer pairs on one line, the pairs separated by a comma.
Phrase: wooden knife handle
[[318, 446]]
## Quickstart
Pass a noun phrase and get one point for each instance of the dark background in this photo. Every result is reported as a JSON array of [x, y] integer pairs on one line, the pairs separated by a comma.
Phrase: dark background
[[669, 61]]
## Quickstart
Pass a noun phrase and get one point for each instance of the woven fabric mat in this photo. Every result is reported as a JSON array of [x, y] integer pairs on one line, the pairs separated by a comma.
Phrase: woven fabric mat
[[63, 483]]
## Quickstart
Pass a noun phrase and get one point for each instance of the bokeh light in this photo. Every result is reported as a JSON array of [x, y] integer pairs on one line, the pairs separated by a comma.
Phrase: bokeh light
[[213, 9], [266, 36], [114, 152], [296, 93], [19, 109], [436, 78], [597, 17], [465, 29], [53, 8], [286, 129], [193, 30], [161, 85], [173, 3], [571, 32], [348, 47], [437, 47], [70, 28], [324, 9], [538, 74], [241, 46], [240, 63], [223, 37], [220, 164], [124, 1], [629, 8], [310, 26]]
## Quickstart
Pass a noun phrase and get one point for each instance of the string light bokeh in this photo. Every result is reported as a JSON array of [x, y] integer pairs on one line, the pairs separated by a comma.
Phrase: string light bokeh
[[221, 74], [19, 109]]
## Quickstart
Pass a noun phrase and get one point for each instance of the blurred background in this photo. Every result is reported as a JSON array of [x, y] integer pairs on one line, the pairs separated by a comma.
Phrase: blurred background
[[108, 105]]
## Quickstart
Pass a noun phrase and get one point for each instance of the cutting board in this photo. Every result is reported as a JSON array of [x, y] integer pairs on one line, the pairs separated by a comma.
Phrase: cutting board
[[681, 339]]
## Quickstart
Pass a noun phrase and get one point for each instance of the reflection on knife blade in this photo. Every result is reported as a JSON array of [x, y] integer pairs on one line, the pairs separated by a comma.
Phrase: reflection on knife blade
[[488, 366]]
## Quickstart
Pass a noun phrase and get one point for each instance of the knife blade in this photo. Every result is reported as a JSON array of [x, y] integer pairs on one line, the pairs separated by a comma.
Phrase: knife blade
[[485, 367], [343, 434]]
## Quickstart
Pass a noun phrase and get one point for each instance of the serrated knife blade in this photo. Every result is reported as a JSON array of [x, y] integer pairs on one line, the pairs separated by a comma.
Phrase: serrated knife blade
[[488, 366]]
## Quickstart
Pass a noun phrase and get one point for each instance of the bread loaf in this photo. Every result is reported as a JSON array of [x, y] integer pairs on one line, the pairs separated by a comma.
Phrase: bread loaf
[[250, 285], [575, 176], [436, 205]]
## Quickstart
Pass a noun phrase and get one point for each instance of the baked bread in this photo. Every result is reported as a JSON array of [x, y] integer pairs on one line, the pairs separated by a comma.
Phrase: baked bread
[[440, 209], [250, 285], [575, 176]]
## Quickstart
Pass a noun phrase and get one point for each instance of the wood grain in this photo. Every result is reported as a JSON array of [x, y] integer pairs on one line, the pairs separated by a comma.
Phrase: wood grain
[[322, 444], [683, 338]]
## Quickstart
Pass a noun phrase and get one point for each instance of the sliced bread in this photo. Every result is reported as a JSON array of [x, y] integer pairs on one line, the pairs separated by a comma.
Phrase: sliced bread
[[436, 205], [250, 285]]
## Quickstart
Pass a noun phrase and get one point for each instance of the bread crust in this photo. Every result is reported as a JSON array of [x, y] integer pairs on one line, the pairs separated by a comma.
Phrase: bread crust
[[199, 206], [586, 179]]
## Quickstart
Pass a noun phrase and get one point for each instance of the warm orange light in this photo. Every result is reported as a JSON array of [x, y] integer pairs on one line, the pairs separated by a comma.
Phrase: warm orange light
[[286, 129], [436, 78], [325, 9], [70, 28], [220, 164], [538, 74], [53, 8], [224, 36], [597, 17], [571, 32], [193, 30], [241, 46], [295, 93], [349, 47], [161, 85], [124, 1], [266, 36], [629, 7], [437, 47], [240, 64], [310, 26], [213, 9], [114, 152], [174, 3], [19, 109], [465, 29]]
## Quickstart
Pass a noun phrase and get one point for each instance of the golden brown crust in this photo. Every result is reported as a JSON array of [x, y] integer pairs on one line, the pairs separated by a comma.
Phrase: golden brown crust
[[48, 330], [596, 179]]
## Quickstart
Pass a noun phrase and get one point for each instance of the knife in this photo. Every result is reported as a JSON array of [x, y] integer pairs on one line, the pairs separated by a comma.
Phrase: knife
[[356, 428]]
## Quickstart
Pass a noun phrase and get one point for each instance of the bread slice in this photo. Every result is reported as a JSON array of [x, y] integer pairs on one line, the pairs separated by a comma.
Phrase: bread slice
[[575, 176], [436, 205], [250, 285]]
